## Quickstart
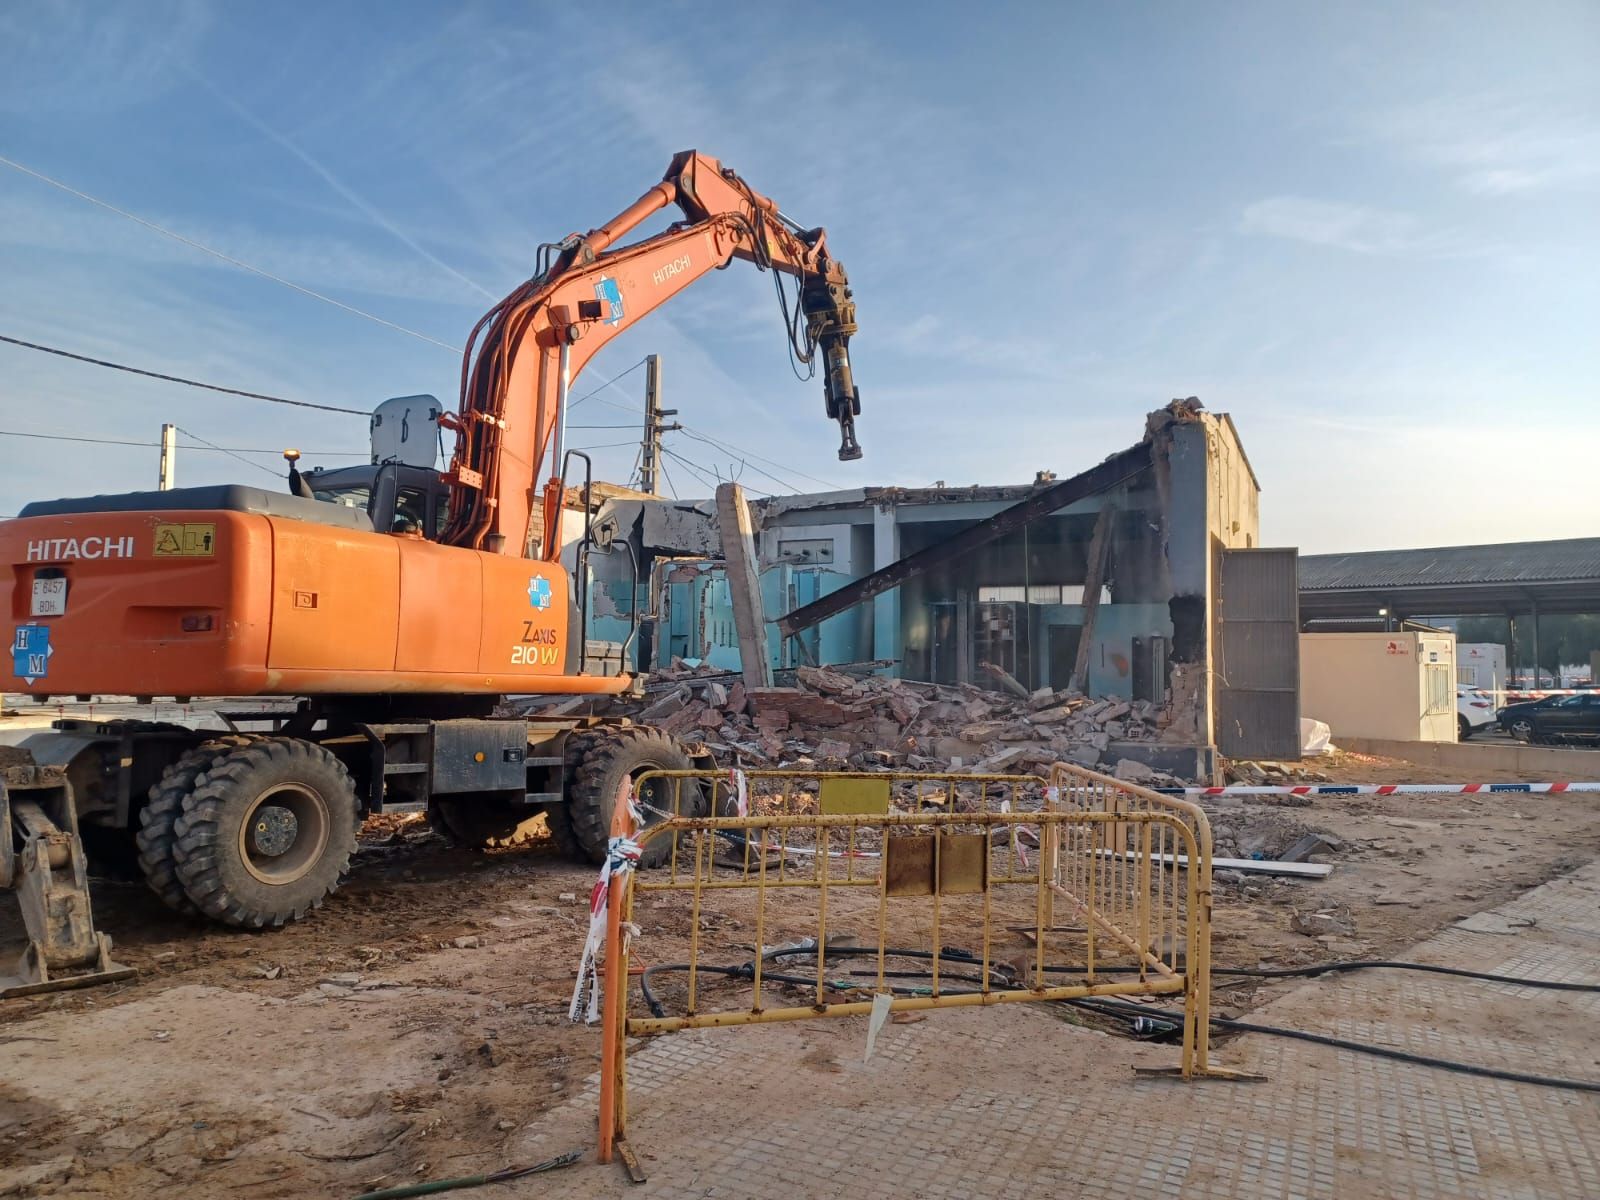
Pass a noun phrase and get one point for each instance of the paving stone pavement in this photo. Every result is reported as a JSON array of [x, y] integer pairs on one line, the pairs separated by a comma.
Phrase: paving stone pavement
[[1015, 1101]]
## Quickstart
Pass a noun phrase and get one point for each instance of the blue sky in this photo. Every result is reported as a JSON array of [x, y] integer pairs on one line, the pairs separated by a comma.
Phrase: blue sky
[[1368, 232]]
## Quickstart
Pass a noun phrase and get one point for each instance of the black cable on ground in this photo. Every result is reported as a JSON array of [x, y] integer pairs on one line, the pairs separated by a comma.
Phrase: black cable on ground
[[747, 971], [1129, 1011], [1315, 970]]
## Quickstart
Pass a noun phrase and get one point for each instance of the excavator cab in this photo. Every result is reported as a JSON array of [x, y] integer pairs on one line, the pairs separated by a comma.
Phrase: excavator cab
[[400, 490], [397, 498]]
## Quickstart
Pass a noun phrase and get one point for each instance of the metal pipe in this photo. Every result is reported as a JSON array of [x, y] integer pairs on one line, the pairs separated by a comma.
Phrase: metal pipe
[[563, 383]]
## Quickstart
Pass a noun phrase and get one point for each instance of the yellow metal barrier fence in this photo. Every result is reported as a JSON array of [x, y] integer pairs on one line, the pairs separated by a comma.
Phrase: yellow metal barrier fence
[[961, 875]]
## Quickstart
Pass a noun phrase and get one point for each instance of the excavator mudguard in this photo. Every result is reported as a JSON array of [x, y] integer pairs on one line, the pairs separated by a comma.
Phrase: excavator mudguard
[[42, 860]]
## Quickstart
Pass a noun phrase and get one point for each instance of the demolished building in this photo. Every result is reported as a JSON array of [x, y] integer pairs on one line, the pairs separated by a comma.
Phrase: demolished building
[[1130, 582]]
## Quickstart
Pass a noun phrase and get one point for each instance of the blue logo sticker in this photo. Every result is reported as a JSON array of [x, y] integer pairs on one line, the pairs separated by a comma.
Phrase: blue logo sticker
[[606, 289], [31, 651], [539, 593]]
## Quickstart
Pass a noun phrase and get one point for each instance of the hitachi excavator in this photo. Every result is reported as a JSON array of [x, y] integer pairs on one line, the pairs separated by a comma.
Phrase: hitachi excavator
[[396, 637]]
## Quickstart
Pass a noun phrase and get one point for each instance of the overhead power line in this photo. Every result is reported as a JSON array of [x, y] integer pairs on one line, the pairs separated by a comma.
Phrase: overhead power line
[[63, 437], [604, 385], [744, 460], [231, 454], [195, 383], [227, 258]]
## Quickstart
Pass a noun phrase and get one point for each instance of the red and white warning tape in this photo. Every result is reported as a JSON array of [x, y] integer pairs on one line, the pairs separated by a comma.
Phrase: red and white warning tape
[[1374, 789], [622, 856]]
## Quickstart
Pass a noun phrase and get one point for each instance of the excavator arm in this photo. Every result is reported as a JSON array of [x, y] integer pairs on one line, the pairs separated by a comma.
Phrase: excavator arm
[[523, 355]]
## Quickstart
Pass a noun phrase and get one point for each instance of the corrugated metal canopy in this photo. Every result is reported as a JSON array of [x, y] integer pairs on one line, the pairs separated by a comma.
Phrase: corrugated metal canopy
[[1573, 559], [1513, 577]]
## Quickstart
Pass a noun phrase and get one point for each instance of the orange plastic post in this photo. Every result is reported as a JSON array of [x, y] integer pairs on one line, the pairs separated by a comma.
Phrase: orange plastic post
[[614, 1002], [611, 1020]]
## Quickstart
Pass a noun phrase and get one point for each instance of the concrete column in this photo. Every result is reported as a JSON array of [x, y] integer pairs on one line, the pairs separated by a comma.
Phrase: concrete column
[[744, 583], [886, 606], [1534, 638]]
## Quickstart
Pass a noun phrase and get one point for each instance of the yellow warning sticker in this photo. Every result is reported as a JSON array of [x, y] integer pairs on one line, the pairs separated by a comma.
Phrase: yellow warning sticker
[[198, 540]]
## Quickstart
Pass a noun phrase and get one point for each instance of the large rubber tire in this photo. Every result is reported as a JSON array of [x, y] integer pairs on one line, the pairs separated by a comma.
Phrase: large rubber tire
[[1463, 728], [158, 818], [484, 823], [601, 764], [1521, 729], [267, 833]]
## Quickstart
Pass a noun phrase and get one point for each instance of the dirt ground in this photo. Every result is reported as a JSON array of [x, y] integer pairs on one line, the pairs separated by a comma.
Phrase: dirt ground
[[413, 1026]]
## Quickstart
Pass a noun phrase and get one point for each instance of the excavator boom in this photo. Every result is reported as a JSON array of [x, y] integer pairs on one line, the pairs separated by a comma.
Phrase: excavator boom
[[525, 352]]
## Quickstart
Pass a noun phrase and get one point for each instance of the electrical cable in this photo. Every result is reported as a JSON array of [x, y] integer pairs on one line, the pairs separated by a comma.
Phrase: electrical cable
[[747, 970], [700, 472], [1118, 1009], [606, 445], [1316, 970], [247, 462], [572, 404], [722, 444], [194, 383], [743, 461], [62, 437], [1319, 969], [1126, 1011], [227, 258]]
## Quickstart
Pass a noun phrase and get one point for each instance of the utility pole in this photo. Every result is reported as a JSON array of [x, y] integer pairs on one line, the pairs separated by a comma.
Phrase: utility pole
[[169, 457], [650, 457]]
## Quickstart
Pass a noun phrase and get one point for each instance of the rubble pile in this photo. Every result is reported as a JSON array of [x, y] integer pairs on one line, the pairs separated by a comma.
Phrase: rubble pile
[[833, 719], [1257, 774]]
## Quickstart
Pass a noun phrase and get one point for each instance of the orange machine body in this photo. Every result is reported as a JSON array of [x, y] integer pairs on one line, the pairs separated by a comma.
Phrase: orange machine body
[[209, 603]]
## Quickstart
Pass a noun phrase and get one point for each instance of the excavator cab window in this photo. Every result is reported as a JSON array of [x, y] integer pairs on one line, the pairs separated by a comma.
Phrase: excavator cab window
[[410, 512], [350, 497]]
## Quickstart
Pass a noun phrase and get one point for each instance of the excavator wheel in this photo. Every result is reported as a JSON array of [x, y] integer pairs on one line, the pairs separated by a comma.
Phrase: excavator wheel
[[484, 824], [156, 836], [602, 765], [267, 833]]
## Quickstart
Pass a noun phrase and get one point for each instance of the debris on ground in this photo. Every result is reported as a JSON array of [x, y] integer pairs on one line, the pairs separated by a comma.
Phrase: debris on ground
[[1259, 774], [837, 718]]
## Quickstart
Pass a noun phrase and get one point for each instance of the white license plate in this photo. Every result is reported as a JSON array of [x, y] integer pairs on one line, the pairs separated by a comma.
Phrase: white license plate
[[49, 597]]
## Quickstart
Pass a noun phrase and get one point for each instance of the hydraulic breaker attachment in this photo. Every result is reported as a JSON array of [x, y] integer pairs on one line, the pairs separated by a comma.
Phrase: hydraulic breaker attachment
[[42, 860]]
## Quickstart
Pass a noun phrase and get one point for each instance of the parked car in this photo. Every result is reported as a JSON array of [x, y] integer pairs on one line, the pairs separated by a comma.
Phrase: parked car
[[1561, 719], [1474, 711], [1517, 719]]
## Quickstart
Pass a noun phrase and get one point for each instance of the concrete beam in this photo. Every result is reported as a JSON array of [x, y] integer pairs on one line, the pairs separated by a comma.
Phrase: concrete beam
[[744, 584]]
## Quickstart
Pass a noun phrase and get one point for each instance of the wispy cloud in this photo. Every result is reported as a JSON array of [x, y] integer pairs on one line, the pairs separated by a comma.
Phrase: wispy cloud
[[68, 57], [1497, 145], [313, 260], [339, 187], [1354, 227]]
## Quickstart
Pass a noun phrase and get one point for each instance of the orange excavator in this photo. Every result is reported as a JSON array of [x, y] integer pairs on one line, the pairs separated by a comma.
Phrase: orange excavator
[[397, 638]]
